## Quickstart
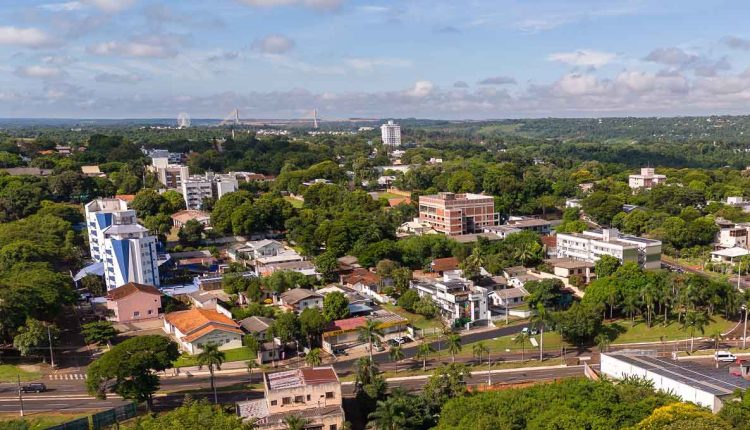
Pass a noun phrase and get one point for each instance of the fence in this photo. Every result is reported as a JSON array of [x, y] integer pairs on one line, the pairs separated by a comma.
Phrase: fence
[[101, 419]]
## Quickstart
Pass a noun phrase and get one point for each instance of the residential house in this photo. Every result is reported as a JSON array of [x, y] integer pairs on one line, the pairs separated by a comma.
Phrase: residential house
[[728, 255], [134, 302], [647, 179], [567, 267], [459, 300], [366, 283], [591, 245], [312, 393], [442, 265], [508, 297], [197, 327], [299, 299], [257, 326], [180, 218], [525, 223]]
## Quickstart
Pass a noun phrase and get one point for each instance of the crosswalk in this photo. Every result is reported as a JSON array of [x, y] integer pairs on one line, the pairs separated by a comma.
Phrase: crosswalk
[[67, 376]]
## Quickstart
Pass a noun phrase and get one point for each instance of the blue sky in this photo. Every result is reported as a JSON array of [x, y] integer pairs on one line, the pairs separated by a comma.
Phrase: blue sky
[[470, 59]]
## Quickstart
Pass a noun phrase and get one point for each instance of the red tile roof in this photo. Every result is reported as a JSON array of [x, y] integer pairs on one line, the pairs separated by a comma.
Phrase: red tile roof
[[195, 319], [399, 201], [444, 264], [126, 197], [132, 288], [347, 324], [361, 275], [549, 241]]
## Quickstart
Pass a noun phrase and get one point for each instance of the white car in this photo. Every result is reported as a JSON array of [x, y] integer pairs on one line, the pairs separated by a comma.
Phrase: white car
[[725, 356]]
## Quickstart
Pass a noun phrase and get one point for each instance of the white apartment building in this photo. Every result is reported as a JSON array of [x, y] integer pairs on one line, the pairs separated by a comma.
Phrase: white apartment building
[[647, 179], [390, 133], [196, 188], [591, 245], [100, 214], [129, 256], [457, 299], [169, 174], [734, 237]]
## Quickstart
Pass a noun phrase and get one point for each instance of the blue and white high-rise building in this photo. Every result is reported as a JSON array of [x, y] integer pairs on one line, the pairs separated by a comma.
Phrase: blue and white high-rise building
[[124, 247]]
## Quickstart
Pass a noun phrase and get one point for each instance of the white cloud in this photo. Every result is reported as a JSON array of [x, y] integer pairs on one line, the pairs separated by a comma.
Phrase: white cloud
[[368, 64], [274, 44], [111, 6], [62, 7], [118, 78], [312, 4], [39, 72], [584, 57], [26, 37], [156, 47], [421, 89]]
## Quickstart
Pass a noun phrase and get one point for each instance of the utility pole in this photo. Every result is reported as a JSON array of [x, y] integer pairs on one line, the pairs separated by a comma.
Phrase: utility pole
[[51, 356], [20, 393], [744, 329], [489, 370], [739, 275]]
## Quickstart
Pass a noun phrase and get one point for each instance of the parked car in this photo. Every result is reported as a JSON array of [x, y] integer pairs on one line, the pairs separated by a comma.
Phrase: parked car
[[378, 347], [340, 351], [36, 387], [406, 339], [724, 356], [392, 342]]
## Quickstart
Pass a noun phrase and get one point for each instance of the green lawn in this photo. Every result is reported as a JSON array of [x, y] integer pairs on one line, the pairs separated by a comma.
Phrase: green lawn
[[238, 354], [641, 332], [504, 343], [9, 373], [386, 195], [294, 202], [416, 320], [43, 420]]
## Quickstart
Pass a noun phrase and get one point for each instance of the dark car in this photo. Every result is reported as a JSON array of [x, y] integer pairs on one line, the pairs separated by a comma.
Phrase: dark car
[[34, 388], [406, 339], [392, 342]]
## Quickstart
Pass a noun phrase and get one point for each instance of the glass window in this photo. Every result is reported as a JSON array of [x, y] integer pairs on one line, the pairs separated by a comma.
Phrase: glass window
[[329, 394]]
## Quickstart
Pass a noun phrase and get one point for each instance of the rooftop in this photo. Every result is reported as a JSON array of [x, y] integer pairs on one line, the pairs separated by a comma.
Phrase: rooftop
[[186, 215], [125, 229], [360, 275], [443, 264], [256, 324], [731, 252], [347, 324], [132, 288], [296, 295], [569, 263], [193, 320], [301, 377], [511, 293], [706, 378]]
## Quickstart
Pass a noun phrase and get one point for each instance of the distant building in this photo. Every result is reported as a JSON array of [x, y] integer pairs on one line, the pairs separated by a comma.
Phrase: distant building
[[456, 214], [100, 214], [567, 267], [728, 255], [647, 179], [591, 245], [196, 188], [180, 218], [167, 172], [391, 134], [537, 225], [312, 393], [92, 172]]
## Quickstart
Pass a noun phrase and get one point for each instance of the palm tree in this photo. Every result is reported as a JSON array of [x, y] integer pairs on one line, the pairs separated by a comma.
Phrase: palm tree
[[522, 338], [213, 359], [314, 358], [396, 354], [366, 372], [528, 253], [423, 351], [540, 319], [630, 306], [369, 333], [295, 422], [387, 415], [602, 342], [716, 337], [454, 345], [251, 364], [479, 350], [694, 321], [472, 265]]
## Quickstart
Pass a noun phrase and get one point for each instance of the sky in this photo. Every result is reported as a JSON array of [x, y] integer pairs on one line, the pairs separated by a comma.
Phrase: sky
[[441, 59]]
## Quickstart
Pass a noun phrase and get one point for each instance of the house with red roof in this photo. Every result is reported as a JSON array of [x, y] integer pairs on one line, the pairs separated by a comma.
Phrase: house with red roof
[[197, 327], [134, 302]]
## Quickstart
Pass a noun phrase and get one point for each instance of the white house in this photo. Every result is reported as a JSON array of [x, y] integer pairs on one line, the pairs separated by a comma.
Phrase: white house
[[591, 245], [197, 327]]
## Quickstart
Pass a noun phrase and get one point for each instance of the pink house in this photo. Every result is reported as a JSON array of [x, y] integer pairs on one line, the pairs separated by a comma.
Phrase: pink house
[[134, 302]]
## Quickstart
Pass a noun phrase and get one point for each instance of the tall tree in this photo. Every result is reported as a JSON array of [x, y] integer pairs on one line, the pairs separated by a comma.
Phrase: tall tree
[[99, 332], [335, 306], [694, 321], [369, 333], [314, 358], [423, 352], [212, 358], [454, 345], [521, 339], [130, 367]]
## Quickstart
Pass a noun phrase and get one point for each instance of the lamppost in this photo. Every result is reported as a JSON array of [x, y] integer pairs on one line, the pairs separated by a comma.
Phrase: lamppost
[[744, 328], [489, 371]]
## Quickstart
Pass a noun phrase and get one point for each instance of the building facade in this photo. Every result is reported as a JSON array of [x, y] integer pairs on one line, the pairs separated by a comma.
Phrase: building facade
[[390, 133], [456, 214], [101, 214], [647, 179], [458, 299], [591, 245], [312, 393], [170, 174], [134, 302], [129, 256], [196, 188], [197, 327]]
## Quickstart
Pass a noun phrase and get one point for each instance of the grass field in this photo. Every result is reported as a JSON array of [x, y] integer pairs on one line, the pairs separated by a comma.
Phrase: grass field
[[40, 421], [624, 332], [386, 195], [9, 373], [238, 354], [294, 202], [416, 320]]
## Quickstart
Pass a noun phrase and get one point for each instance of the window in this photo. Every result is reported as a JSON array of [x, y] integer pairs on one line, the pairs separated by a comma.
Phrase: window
[[299, 399], [329, 394], [150, 311], [308, 397], [274, 402], [286, 400], [136, 314], [332, 427]]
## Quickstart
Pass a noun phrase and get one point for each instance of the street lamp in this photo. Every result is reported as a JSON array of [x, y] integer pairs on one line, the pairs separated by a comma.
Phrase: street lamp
[[744, 329]]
